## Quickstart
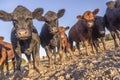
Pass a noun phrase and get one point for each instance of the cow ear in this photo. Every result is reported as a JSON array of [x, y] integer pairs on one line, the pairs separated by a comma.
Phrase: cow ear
[[60, 13], [5, 16], [1, 38], [79, 17], [67, 28], [37, 14], [95, 11]]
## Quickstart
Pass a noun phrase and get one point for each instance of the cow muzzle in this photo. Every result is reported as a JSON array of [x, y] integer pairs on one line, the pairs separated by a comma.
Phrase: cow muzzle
[[53, 30], [90, 24], [23, 34]]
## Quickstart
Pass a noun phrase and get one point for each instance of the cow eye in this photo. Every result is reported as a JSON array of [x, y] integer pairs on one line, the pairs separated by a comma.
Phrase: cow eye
[[28, 19]]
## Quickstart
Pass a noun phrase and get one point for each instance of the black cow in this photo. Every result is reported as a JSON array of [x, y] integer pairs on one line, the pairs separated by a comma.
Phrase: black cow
[[98, 32], [24, 36], [112, 20], [50, 36]]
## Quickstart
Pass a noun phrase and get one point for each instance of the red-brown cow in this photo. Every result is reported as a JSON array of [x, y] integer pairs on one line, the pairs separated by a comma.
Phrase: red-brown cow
[[6, 53], [64, 40], [82, 30]]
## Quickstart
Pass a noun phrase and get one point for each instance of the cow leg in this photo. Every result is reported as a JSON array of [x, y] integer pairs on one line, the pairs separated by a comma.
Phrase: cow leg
[[118, 34], [94, 44], [61, 55], [97, 44], [6, 63], [36, 56], [78, 47], [7, 67], [114, 38], [18, 61], [13, 62], [91, 43], [51, 57], [2, 72], [86, 46], [29, 61], [71, 54], [103, 42], [71, 45], [18, 57]]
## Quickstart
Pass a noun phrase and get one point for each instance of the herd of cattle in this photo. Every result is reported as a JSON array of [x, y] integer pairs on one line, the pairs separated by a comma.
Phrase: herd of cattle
[[25, 38]]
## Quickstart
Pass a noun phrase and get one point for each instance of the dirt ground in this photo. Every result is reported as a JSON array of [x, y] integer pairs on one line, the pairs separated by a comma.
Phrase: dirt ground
[[102, 66]]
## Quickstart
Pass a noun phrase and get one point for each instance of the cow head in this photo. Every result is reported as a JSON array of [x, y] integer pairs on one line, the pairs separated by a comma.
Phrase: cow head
[[62, 31], [22, 20], [100, 25], [111, 4], [89, 16], [51, 20]]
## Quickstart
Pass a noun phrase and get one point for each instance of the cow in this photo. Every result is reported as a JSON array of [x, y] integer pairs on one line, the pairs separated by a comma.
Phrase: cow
[[2, 58], [98, 32], [24, 36], [6, 54], [82, 30], [112, 19], [65, 42], [50, 36]]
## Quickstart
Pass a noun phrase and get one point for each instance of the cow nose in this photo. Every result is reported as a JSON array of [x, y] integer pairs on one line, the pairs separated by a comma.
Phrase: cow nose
[[22, 32], [53, 30], [90, 24]]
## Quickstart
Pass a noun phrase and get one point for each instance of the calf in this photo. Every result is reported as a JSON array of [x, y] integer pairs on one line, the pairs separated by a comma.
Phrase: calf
[[98, 32], [50, 36], [64, 41], [82, 30], [24, 36], [112, 20], [6, 53]]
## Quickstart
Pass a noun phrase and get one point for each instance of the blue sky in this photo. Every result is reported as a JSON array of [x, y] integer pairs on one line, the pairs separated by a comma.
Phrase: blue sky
[[72, 7]]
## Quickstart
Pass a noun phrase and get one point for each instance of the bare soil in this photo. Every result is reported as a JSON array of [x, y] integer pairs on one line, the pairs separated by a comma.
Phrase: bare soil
[[101, 66]]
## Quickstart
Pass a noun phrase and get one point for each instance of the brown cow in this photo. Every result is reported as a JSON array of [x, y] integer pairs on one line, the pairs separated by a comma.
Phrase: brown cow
[[6, 53], [64, 40], [82, 30]]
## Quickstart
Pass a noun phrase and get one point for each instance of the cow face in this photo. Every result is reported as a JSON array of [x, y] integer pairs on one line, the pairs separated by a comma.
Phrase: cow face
[[62, 31], [22, 20], [51, 20], [99, 23], [110, 4], [88, 16]]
